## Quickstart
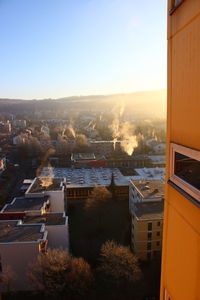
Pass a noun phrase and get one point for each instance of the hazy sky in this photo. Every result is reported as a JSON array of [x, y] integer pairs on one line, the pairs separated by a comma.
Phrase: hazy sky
[[55, 48]]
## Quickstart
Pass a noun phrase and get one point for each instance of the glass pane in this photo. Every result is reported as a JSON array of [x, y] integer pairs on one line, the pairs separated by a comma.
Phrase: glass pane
[[177, 2], [188, 169]]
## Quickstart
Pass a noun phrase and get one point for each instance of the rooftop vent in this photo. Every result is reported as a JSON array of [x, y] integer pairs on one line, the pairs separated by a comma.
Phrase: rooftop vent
[[146, 187]]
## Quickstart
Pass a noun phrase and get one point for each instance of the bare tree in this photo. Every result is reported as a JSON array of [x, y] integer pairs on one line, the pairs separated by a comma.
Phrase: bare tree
[[58, 274], [118, 266]]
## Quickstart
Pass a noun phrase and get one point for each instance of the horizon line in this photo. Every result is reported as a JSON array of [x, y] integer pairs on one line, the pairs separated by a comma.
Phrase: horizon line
[[84, 95]]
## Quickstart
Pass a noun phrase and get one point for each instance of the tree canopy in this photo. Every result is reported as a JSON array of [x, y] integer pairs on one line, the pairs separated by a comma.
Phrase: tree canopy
[[59, 274], [118, 265]]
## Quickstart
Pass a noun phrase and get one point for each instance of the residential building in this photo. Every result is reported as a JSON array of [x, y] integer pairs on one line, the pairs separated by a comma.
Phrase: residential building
[[5, 127], [146, 209], [157, 161], [148, 174], [28, 228], [19, 139], [38, 211], [56, 224], [20, 245], [19, 123], [52, 187], [145, 191], [34, 206], [45, 129], [146, 229], [180, 277]]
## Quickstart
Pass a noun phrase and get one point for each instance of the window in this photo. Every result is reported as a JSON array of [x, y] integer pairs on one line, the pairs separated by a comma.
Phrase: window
[[149, 235], [155, 253], [185, 169], [149, 246], [149, 255], [158, 223], [149, 226], [157, 243], [158, 233]]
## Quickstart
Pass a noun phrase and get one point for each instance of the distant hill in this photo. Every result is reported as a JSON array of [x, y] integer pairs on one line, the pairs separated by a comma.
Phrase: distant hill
[[141, 104]]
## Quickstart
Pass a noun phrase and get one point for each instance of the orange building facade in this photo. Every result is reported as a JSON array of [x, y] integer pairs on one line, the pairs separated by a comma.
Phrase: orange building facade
[[180, 278]]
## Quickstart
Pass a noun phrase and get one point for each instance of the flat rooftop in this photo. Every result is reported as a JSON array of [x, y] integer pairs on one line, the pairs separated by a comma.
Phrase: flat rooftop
[[21, 204], [149, 188], [15, 232], [148, 174], [47, 219], [157, 159], [147, 210], [41, 184], [86, 177]]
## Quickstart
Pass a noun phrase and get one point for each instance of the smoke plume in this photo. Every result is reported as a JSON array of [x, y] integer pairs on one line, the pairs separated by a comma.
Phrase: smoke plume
[[123, 131]]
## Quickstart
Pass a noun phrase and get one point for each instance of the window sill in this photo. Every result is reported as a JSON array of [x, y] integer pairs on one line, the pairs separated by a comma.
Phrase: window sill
[[182, 192]]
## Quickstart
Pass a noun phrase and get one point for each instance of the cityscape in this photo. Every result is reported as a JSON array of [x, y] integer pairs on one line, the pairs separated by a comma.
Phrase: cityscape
[[100, 192]]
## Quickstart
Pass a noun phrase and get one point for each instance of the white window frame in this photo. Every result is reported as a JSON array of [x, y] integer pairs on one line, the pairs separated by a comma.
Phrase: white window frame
[[195, 154]]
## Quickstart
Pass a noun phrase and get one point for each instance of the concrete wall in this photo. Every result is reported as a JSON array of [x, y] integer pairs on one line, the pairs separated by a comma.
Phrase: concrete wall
[[18, 257], [56, 201], [58, 236], [139, 237]]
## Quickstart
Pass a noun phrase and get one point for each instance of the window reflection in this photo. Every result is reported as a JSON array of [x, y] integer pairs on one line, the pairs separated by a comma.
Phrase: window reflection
[[188, 169]]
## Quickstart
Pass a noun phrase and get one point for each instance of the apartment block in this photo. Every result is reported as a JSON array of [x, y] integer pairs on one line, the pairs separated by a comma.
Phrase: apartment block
[[146, 209], [20, 244], [52, 187], [146, 230]]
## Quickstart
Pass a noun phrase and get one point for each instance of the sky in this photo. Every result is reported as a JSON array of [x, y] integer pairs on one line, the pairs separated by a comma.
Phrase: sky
[[58, 48]]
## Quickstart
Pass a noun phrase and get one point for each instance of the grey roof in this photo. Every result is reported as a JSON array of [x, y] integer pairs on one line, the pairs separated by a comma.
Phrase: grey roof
[[86, 177], [42, 184], [12, 232], [148, 210], [48, 219], [149, 189], [21, 204], [156, 159]]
